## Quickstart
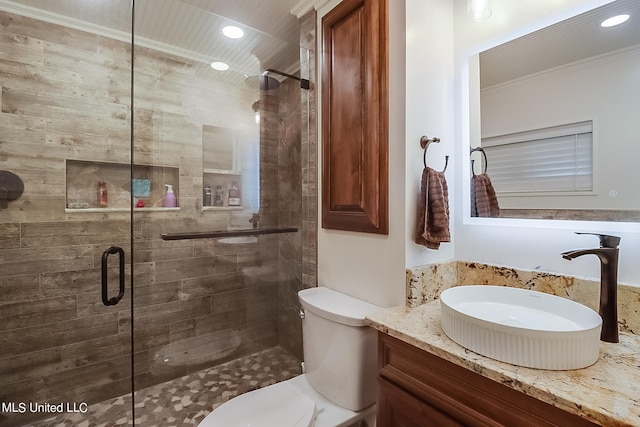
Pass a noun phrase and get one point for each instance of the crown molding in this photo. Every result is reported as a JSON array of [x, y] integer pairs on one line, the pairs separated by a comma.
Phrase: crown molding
[[305, 6], [77, 24], [65, 21], [302, 8]]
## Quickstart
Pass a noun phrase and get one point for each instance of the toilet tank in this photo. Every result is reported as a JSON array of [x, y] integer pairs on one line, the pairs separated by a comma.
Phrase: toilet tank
[[340, 351]]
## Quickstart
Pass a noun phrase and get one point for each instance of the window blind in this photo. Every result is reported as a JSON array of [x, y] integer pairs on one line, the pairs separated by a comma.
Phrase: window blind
[[558, 159]]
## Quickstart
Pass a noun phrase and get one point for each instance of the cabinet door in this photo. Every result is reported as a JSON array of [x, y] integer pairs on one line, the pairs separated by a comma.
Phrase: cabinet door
[[355, 117], [397, 408], [459, 393]]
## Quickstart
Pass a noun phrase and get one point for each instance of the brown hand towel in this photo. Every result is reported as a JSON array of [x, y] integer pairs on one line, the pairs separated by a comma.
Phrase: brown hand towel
[[484, 201], [432, 226]]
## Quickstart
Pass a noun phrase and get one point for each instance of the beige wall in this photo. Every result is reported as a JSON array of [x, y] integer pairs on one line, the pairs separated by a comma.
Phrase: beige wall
[[368, 266], [428, 41], [372, 267]]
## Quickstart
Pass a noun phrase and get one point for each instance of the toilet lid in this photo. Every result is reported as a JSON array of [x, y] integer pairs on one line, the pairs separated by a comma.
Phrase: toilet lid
[[279, 405]]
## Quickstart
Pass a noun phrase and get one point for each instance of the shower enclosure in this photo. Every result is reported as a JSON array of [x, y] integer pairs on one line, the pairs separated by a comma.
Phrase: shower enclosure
[[107, 287]]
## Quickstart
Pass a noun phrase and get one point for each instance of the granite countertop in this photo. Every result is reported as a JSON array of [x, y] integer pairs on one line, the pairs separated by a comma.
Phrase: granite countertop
[[607, 393]]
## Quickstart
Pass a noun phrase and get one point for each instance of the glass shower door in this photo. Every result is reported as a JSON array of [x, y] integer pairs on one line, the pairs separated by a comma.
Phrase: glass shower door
[[65, 211], [217, 121], [195, 133]]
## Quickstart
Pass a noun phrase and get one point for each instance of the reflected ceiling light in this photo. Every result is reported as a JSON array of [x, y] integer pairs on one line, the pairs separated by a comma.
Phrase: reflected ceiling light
[[219, 65], [614, 20], [233, 32], [478, 10]]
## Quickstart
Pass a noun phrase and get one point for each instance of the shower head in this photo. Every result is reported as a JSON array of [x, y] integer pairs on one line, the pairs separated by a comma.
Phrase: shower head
[[262, 82], [304, 83], [265, 82], [268, 83]]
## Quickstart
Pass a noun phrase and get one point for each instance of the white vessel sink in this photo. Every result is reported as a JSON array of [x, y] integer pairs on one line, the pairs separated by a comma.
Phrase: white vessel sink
[[522, 327]]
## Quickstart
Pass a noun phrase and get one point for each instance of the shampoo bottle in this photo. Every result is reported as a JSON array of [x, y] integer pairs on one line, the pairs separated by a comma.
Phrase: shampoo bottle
[[103, 200], [234, 195], [218, 196], [169, 197], [207, 196]]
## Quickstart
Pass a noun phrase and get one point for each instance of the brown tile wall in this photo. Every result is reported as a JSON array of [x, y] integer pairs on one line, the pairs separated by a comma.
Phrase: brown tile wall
[[280, 159], [309, 152], [198, 302], [298, 252]]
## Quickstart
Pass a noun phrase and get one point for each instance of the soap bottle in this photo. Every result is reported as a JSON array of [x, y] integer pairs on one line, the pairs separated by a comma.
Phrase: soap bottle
[[234, 195], [103, 200], [218, 196], [169, 197], [207, 196]]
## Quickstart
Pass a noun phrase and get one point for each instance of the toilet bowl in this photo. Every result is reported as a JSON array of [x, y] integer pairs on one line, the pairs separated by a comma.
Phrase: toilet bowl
[[292, 403], [338, 386]]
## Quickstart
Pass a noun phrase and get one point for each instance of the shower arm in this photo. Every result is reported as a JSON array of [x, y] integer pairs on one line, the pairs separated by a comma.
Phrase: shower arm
[[304, 83]]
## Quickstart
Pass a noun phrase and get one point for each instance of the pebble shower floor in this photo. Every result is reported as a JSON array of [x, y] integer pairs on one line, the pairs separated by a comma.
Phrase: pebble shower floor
[[187, 400]]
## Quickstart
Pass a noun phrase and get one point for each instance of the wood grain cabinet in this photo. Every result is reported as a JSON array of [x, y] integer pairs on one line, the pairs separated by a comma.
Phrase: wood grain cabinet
[[355, 117], [418, 389]]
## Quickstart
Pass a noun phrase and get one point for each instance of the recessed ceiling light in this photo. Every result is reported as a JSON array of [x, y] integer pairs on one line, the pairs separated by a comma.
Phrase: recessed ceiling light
[[233, 32], [478, 10], [615, 20], [219, 65]]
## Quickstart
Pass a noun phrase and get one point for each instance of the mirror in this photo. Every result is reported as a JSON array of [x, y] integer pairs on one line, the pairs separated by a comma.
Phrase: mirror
[[539, 95]]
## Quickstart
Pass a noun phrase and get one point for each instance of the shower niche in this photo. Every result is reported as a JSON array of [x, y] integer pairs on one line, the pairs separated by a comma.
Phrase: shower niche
[[222, 158], [103, 186]]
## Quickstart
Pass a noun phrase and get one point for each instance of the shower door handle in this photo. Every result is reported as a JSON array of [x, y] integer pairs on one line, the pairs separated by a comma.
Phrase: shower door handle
[[105, 281]]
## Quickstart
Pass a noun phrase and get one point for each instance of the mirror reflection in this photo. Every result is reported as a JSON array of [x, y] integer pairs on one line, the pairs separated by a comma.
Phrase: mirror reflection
[[558, 120]]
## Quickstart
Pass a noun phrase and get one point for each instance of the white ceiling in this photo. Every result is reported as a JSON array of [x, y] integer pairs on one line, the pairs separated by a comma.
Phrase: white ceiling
[[269, 16], [192, 28], [566, 42]]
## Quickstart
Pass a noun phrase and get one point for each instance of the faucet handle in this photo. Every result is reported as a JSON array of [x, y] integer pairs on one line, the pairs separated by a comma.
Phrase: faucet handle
[[606, 241]]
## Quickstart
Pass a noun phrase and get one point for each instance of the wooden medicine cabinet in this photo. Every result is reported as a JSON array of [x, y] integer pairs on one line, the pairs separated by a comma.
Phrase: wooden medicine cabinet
[[355, 117]]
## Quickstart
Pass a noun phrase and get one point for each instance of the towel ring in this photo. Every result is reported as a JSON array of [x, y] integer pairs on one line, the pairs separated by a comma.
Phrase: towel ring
[[424, 143], [484, 154]]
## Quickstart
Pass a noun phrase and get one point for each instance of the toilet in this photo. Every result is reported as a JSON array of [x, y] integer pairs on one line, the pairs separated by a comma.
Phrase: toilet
[[338, 385]]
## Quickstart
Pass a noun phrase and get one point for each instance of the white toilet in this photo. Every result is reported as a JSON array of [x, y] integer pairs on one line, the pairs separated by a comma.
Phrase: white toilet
[[338, 385]]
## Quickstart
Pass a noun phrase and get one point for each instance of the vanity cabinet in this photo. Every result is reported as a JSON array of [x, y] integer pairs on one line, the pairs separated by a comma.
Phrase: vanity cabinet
[[418, 389]]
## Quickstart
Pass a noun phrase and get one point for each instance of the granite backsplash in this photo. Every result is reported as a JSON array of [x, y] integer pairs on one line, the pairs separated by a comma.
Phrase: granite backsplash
[[424, 284]]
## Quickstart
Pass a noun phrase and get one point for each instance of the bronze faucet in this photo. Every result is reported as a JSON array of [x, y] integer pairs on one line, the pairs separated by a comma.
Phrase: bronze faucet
[[608, 255]]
